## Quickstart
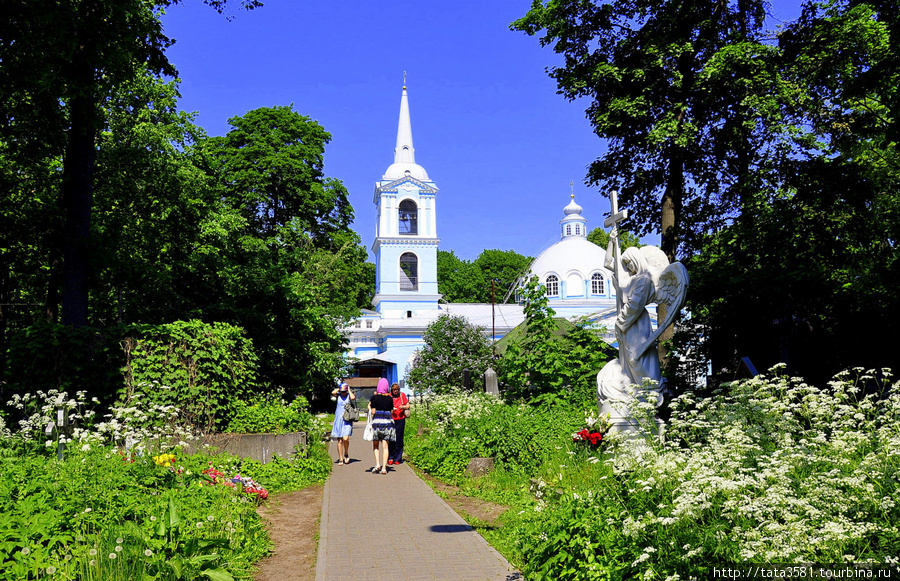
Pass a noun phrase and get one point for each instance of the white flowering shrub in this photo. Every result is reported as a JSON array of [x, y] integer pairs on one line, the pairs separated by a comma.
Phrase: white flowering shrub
[[770, 470], [135, 425]]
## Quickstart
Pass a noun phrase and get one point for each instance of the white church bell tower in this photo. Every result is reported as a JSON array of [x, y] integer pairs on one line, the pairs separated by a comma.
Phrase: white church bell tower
[[406, 239]]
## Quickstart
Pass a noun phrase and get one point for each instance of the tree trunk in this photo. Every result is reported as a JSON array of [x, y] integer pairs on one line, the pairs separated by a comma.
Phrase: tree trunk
[[670, 214], [77, 195]]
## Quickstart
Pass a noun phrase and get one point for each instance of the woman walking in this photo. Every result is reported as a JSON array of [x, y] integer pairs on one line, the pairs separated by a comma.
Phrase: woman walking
[[380, 407], [401, 408], [341, 430]]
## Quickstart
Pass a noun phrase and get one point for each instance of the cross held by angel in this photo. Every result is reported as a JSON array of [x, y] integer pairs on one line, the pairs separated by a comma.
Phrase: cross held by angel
[[641, 277]]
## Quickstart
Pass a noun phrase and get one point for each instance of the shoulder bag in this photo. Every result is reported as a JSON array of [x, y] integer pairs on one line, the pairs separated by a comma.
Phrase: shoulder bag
[[351, 412], [405, 402]]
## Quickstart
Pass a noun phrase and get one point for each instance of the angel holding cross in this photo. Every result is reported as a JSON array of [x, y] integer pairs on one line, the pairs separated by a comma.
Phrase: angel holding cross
[[641, 276]]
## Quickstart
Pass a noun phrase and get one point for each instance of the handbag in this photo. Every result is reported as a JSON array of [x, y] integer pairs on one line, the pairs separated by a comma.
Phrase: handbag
[[351, 412], [369, 432]]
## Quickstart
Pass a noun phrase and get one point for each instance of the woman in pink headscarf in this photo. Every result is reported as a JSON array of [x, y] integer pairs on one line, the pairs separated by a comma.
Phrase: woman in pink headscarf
[[380, 407]]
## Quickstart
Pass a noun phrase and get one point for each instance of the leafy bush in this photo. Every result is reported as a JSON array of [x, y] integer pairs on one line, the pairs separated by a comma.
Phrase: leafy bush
[[543, 362], [206, 368], [452, 345], [197, 367], [269, 415], [468, 425]]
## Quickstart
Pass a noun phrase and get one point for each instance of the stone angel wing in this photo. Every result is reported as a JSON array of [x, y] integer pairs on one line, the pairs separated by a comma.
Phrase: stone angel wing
[[670, 289]]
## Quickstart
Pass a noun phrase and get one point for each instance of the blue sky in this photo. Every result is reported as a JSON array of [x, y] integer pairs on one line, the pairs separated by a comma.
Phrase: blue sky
[[488, 126]]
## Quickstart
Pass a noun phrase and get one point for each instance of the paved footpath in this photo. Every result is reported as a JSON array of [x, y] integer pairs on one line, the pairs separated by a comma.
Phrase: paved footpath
[[394, 527]]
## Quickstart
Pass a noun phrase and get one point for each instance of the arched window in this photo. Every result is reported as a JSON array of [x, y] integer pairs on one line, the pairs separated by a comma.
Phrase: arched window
[[577, 229], [597, 284], [409, 217], [409, 272], [552, 286]]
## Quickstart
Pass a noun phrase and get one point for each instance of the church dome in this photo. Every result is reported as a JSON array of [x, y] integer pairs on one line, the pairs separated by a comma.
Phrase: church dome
[[572, 208], [570, 268], [403, 169], [569, 256]]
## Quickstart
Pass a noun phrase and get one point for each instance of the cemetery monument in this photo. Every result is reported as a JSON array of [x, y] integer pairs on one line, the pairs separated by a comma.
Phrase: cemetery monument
[[641, 276]]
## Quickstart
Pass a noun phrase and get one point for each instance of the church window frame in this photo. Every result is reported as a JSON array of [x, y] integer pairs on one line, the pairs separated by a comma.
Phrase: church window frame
[[598, 284], [568, 229], [409, 272], [551, 284], [408, 217]]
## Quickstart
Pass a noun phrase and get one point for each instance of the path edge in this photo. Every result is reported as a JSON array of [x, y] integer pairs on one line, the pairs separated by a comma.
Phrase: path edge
[[321, 553]]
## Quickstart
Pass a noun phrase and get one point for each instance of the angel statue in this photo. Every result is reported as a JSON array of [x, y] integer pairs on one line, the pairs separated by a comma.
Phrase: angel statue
[[641, 276]]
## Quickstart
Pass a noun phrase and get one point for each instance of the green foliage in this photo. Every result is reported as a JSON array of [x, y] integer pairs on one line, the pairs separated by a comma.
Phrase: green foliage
[[468, 425], [813, 268], [272, 166], [459, 281], [281, 261], [116, 517], [687, 96], [206, 368], [600, 237], [270, 415], [462, 281], [103, 514], [452, 344], [768, 470], [542, 362], [299, 472], [44, 357], [199, 368]]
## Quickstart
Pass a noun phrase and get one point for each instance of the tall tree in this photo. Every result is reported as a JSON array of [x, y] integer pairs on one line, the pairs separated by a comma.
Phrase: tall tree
[[682, 92], [459, 281], [278, 255], [59, 61], [600, 237], [151, 200], [817, 271], [487, 278], [505, 268], [272, 162]]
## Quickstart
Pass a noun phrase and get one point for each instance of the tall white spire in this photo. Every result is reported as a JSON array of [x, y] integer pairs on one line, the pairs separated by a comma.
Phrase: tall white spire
[[404, 154]]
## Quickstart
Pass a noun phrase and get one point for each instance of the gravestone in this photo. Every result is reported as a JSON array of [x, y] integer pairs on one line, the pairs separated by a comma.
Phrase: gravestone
[[490, 382], [479, 466]]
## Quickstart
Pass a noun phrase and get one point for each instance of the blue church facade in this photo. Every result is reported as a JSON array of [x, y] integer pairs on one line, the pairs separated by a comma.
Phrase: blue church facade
[[382, 342]]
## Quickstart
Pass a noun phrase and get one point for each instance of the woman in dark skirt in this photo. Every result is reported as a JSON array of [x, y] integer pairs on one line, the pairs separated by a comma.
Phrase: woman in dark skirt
[[380, 407]]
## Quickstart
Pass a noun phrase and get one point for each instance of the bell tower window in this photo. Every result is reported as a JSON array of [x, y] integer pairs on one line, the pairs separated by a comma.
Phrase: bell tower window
[[409, 272], [409, 218]]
